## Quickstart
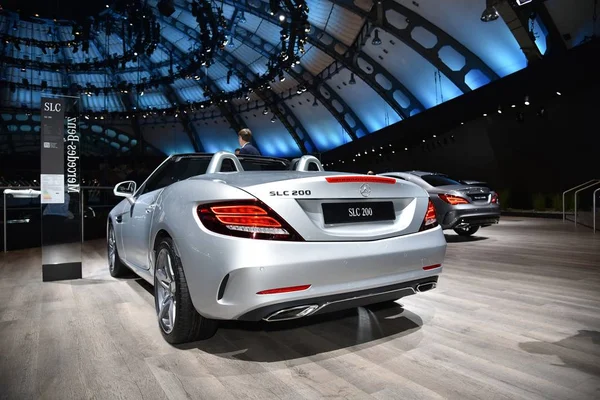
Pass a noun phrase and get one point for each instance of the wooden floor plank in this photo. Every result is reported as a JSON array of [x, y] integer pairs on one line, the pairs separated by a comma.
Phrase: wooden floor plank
[[516, 315]]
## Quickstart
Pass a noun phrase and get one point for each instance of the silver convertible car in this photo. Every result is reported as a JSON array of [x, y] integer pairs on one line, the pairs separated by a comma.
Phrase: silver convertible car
[[222, 237], [463, 207]]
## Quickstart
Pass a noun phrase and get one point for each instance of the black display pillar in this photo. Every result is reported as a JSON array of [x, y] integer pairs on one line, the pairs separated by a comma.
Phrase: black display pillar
[[60, 189]]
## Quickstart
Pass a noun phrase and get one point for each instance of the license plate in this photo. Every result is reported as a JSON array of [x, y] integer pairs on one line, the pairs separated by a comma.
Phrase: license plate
[[479, 197], [343, 213]]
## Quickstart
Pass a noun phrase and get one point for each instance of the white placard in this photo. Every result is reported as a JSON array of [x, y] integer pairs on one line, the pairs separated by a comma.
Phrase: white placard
[[52, 188]]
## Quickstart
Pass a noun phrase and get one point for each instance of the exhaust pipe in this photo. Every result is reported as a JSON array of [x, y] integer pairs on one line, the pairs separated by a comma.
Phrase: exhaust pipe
[[424, 287], [292, 313]]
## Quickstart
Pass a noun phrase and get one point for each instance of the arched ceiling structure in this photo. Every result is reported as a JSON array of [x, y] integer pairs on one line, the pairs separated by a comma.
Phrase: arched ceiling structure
[[366, 64]]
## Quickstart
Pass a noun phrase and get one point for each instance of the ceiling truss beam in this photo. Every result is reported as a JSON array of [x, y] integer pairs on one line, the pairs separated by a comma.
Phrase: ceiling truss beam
[[127, 101], [296, 130], [225, 108], [350, 58], [277, 106], [313, 85], [188, 126], [377, 17]]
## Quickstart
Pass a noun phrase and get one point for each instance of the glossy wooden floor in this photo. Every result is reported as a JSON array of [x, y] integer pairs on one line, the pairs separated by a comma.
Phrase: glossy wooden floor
[[516, 316]]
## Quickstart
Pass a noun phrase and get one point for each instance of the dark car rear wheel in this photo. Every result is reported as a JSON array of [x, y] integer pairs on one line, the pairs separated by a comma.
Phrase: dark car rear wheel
[[178, 320], [468, 231], [115, 266]]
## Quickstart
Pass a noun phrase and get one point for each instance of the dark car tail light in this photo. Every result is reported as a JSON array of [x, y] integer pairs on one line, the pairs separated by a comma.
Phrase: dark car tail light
[[429, 221], [495, 199], [454, 200], [250, 219]]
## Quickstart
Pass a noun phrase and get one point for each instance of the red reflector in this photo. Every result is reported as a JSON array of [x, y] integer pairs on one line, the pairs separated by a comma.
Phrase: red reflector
[[360, 179], [432, 267], [284, 289]]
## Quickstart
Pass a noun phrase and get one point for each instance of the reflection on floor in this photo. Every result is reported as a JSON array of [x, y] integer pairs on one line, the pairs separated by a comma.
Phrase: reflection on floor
[[516, 316]]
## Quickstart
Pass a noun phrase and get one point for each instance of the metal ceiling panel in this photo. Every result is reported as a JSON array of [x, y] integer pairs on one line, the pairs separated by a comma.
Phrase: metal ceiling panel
[[269, 32], [319, 13], [246, 54], [321, 126], [492, 41], [344, 25], [405, 64], [190, 93], [315, 60], [372, 110], [153, 99]]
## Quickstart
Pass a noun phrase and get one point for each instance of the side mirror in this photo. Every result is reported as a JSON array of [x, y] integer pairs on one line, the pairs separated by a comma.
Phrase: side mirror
[[125, 189]]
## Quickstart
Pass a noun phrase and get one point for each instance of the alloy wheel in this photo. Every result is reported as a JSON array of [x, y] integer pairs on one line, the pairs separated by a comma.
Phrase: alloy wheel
[[165, 288], [112, 249]]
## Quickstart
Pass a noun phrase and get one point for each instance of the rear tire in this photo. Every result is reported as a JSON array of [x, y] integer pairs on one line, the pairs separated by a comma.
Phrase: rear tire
[[178, 320], [466, 231], [115, 266]]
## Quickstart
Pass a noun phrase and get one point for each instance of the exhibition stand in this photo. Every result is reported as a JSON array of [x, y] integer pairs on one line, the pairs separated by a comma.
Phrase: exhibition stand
[[60, 189]]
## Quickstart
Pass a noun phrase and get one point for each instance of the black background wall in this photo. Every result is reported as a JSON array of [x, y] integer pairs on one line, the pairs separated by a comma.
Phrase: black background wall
[[542, 153]]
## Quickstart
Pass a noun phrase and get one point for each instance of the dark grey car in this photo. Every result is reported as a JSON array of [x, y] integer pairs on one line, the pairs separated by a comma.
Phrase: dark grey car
[[462, 207]]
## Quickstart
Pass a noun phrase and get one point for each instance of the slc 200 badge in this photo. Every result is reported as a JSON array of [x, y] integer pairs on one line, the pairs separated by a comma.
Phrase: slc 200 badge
[[290, 193]]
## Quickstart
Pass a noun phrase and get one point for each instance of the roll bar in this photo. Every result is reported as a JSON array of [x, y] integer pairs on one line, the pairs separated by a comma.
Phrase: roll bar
[[216, 162], [303, 163]]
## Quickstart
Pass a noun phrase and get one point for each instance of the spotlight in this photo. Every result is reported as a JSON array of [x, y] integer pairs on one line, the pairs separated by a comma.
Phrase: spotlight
[[527, 100], [376, 41], [352, 80], [490, 13], [499, 110], [265, 111], [281, 17]]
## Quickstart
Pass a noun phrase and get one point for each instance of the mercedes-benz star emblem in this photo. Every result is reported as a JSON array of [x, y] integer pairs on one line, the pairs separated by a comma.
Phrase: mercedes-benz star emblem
[[365, 190]]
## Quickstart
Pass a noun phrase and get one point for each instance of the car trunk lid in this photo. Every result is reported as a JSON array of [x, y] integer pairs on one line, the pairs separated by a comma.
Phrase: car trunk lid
[[338, 207]]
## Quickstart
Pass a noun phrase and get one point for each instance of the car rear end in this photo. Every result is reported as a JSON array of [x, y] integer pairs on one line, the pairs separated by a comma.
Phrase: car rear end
[[463, 206], [309, 243]]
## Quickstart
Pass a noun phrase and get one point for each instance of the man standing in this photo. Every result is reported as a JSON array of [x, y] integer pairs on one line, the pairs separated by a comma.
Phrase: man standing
[[244, 138]]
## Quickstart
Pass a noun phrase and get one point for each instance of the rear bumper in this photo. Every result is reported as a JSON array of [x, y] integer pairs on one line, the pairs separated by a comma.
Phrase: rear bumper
[[474, 217], [224, 274], [326, 304]]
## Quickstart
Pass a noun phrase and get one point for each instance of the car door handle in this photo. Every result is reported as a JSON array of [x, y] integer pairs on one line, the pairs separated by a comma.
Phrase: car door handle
[[150, 208]]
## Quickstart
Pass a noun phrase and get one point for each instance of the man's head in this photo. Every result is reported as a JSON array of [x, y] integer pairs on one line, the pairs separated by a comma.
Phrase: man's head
[[244, 136], [370, 173]]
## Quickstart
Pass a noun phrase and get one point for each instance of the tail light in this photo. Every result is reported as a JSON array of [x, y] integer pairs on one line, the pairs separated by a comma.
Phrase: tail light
[[495, 199], [247, 219], [454, 200], [429, 221]]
